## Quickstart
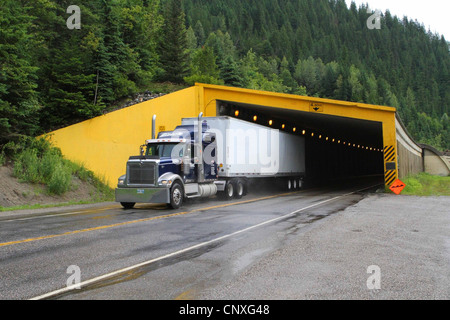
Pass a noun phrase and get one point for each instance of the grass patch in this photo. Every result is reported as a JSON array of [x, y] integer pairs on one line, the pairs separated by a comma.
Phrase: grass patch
[[36, 161], [424, 184]]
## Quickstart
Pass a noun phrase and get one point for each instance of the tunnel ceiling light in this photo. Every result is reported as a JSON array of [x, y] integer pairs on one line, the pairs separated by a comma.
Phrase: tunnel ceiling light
[[294, 129], [333, 140], [320, 136], [339, 141], [326, 138], [270, 122], [255, 118], [236, 113], [303, 132], [283, 126], [312, 134]]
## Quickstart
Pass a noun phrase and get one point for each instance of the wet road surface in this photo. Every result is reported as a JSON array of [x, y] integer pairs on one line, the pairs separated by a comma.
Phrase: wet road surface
[[151, 252]]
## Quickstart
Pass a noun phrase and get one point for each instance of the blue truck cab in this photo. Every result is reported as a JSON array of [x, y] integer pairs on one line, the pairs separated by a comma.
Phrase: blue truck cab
[[170, 168]]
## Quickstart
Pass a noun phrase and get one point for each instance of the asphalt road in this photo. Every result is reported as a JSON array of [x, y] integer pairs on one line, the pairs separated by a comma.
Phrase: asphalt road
[[206, 250]]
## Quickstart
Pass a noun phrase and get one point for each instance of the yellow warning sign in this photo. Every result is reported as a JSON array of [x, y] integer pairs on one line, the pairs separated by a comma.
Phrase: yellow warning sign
[[315, 107]]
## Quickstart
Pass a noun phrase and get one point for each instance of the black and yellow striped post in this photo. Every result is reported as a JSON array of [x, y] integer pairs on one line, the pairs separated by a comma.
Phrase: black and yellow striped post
[[390, 162]]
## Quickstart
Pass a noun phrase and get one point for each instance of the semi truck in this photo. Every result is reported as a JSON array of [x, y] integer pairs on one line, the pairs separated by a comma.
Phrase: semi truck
[[210, 156]]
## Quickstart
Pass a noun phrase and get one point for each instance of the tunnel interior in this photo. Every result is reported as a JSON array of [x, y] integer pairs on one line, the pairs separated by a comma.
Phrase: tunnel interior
[[336, 148]]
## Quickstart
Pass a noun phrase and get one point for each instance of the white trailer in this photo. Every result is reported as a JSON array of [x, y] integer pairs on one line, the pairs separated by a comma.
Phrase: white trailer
[[247, 151]]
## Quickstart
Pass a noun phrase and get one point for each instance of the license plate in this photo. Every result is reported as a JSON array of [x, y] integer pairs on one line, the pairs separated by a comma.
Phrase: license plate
[[140, 191]]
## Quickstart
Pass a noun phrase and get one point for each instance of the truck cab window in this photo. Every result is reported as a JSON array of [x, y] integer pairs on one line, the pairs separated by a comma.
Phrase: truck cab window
[[164, 150]]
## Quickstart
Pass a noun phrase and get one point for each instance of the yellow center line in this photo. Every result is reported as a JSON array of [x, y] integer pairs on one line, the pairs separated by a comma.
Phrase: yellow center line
[[139, 220]]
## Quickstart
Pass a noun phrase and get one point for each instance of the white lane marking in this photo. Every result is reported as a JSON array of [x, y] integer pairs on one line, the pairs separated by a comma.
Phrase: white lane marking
[[145, 263]]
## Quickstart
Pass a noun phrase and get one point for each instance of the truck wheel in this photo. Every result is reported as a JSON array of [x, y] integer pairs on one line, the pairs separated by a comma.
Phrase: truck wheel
[[289, 184], [239, 189], [176, 196], [128, 205], [228, 193]]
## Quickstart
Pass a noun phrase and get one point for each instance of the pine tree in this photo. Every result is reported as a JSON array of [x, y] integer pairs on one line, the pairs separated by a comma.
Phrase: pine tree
[[204, 68], [68, 94], [173, 45], [18, 97]]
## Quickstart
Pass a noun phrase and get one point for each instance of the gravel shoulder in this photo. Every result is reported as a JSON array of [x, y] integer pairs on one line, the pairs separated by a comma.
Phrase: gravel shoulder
[[406, 237]]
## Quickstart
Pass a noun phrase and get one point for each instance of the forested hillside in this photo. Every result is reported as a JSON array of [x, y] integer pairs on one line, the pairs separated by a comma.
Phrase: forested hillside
[[326, 48], [52, 75]]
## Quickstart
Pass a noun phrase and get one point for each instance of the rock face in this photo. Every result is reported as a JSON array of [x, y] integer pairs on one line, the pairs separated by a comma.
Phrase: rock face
[[142, 97]]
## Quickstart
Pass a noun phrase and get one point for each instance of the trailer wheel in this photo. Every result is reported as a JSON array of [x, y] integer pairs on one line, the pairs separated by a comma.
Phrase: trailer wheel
[[128, 205], [176, 196], [289, 184], [239, 189]]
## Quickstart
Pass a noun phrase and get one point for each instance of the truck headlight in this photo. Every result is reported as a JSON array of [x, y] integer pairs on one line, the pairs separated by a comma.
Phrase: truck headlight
[[121, 180], [165, 182]]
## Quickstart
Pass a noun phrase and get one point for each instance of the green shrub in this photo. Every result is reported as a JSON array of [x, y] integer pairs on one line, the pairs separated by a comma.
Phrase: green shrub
[[60, 179], [50, 160], [26, 166], [36, 161]]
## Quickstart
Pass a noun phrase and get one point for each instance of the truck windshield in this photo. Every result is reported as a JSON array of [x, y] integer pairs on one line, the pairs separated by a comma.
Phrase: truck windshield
[[165, 150]]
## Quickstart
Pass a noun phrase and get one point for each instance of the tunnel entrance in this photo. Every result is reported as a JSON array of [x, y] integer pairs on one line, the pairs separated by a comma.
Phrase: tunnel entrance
[[337, 148]]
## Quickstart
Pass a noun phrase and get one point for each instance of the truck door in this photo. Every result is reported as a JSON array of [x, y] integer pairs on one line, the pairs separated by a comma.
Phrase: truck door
[[210, 157]]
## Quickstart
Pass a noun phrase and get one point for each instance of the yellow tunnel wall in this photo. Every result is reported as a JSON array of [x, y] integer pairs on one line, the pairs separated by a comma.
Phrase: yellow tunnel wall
[[104, 144]]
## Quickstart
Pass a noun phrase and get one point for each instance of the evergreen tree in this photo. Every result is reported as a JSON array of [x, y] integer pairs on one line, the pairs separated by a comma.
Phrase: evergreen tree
[[18, 97], [204, 68], [173, 45], [70, 84]]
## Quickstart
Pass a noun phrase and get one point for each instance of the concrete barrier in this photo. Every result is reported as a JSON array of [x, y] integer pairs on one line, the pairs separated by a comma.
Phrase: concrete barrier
[[435, 162], [410, 155]]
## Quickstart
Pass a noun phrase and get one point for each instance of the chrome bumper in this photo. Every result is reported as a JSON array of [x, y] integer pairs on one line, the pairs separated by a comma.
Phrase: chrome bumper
[[143, 195]]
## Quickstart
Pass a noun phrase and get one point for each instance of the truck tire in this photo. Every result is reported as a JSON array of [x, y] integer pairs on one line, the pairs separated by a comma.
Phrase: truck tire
[[176, 196], [239, 189], [289, 185], [128, 205], [229, 191]]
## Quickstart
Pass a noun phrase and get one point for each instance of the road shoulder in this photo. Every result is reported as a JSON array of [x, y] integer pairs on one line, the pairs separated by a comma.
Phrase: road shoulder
[[405, 240]]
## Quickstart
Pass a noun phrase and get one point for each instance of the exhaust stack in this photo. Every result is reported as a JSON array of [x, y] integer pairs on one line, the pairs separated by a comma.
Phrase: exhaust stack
[[201, 169], [154, 127]]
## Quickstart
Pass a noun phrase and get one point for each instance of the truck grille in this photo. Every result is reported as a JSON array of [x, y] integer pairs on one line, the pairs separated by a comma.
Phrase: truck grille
[[141, 173]]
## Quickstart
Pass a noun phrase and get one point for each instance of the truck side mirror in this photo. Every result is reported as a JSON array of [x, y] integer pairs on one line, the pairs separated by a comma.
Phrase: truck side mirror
[[141, 150]]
